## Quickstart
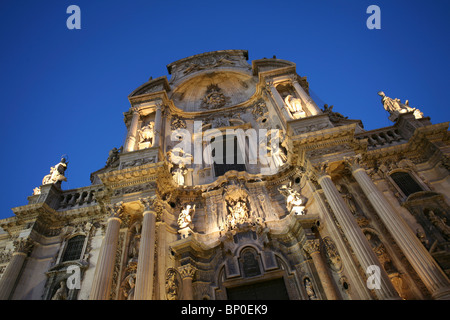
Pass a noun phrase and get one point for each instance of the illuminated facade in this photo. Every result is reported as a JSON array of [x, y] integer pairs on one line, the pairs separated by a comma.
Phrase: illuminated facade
[[303, 204]]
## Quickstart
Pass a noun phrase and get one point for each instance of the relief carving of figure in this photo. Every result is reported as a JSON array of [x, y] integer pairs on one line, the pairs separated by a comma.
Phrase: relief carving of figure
[[178, 159], [395, 107], [172, 285], [56, 173], [295, 107], [348, 198]]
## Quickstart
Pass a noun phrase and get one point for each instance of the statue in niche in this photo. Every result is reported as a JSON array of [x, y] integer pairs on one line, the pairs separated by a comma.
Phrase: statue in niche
[[295, 107], [348, 198], [186, 216], [172, 285], [56, 173], [439, 223], [278, 151], [147, 135], [294, 200], [61, 293], [178, 159], [395, 107], [310, 290], [134, 247], [236, 200]]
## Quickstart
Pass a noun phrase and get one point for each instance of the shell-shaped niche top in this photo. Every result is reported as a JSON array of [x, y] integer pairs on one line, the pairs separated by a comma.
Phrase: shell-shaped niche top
[[211, 81]]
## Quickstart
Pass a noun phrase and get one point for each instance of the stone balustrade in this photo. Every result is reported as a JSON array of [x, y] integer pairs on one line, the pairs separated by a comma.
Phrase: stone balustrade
[[81, 197], [382, 138]]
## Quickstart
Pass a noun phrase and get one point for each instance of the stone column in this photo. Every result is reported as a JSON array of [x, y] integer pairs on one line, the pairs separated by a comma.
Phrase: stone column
[[101, 284], [12, 272], [313, 248], [187, 274], [279, 101], [355, 236], [132, 131], [420, 259], [310, 104], [158, 125], [146, 261]]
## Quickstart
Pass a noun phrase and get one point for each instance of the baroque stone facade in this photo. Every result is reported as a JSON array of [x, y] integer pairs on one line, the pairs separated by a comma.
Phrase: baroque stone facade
[[303, 203]]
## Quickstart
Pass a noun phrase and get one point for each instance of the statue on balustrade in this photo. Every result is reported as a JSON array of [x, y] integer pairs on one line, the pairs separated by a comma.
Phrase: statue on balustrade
[[395, 107], [56, 173]]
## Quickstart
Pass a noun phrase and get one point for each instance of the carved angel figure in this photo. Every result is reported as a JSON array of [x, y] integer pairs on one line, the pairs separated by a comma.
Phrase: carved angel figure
[[61, 293]]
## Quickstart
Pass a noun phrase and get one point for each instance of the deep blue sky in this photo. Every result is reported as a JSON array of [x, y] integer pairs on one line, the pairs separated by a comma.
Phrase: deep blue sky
[[64, 91]]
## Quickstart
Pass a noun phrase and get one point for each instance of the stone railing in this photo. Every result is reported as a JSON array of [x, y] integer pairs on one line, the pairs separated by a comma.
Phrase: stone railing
[[382, 137], [81, 197]]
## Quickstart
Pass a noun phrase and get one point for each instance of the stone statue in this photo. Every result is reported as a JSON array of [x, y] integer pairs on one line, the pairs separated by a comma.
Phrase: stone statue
[[172, 285], [295, 107], [395, 107], [61, 293], [178, 159], [185, 217], [294, 200], [56, 173], [147, 135], [278, 152], [113, 155], [310, 290]]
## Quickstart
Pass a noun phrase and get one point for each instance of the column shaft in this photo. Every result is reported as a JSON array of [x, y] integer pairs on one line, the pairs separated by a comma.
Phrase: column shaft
[[11, 274], [158, 126], [426, 267], [132, 131], [312, 247], [310, 104], [356, 238], [146, 262], [101, 285], [279, 101]]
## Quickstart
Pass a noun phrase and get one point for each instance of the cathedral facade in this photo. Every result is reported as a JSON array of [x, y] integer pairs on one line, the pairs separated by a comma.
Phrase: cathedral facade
[[233, 184]]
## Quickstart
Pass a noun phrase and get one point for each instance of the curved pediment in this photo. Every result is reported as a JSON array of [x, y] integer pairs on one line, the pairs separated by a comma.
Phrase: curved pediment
[[213, 90]]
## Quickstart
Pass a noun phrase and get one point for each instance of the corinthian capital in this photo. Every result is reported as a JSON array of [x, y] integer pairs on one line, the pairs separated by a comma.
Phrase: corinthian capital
[[187, 271], [312, 246], [320, 169], [115, 210], [355, 162], [23, 245], [148, 203]]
